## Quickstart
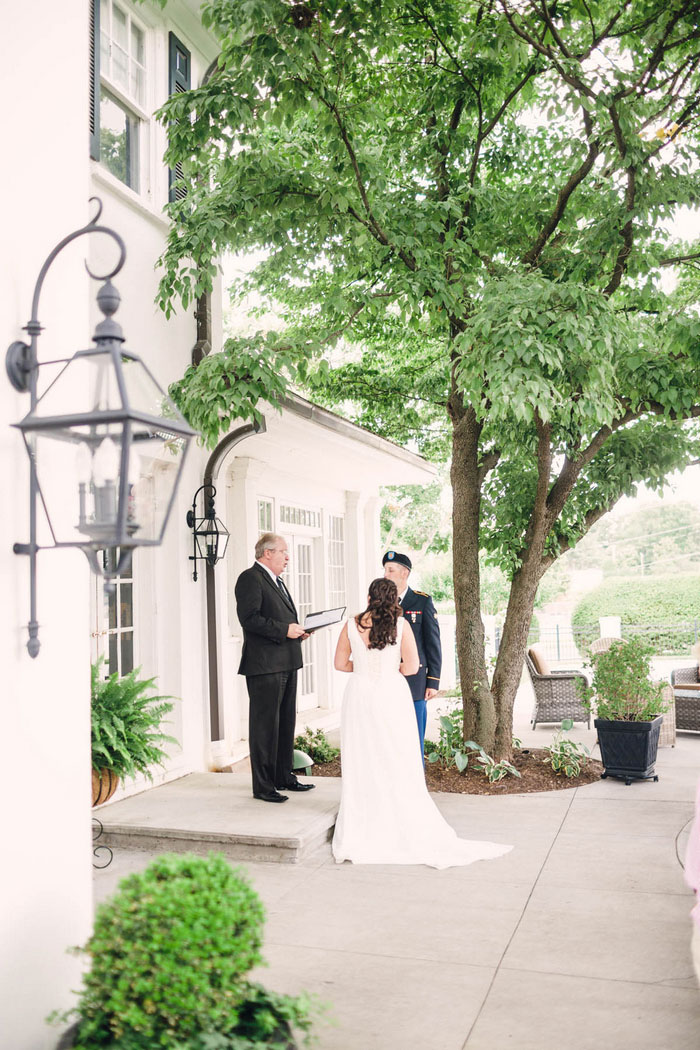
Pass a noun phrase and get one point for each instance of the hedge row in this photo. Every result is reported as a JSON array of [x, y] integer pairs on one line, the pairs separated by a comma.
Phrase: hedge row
[[667, 607]]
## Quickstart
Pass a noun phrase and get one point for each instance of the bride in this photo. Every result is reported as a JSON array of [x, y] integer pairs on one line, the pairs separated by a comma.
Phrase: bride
[[386, 814]]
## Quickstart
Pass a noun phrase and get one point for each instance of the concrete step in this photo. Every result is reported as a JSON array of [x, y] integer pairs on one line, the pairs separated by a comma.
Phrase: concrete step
[[216, 811]]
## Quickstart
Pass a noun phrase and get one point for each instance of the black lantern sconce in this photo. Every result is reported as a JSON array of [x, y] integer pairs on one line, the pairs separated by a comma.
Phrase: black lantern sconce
[[96, 439], [209, 534]]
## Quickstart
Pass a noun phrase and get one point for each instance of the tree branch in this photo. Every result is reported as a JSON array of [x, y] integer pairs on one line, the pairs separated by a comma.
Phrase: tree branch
[[532, 255], [675, 259]]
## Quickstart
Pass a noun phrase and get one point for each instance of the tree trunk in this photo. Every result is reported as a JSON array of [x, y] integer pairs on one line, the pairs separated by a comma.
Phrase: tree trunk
[[509, 664], [480, 720]]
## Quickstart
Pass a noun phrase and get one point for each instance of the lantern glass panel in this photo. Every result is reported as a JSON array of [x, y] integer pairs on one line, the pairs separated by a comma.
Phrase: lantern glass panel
[[90, 382], [108, 449]]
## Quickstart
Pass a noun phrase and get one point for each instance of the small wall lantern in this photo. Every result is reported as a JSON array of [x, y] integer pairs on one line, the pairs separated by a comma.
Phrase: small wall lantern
[[96, 440], [209, 534]]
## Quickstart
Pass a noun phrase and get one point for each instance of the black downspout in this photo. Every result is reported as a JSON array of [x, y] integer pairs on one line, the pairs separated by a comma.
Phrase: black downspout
[[210, 473]]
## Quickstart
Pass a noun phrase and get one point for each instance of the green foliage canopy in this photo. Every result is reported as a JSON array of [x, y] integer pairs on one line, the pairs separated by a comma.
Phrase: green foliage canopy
[[471, 195]]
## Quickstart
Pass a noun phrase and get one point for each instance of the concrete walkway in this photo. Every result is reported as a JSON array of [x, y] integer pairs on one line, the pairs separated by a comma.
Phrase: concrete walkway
[[576, 940]]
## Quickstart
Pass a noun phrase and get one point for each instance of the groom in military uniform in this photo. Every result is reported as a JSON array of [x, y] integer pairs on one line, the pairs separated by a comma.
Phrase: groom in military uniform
[[419, 610]]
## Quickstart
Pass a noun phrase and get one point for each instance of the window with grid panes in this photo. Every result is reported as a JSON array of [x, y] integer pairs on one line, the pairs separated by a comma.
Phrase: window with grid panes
[[292, 515], [119, 603], [122, 92], [265, 515], [336, 561]]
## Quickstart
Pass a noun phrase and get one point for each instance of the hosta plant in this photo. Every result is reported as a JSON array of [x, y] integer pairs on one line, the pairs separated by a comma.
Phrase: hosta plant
[[566, 756]]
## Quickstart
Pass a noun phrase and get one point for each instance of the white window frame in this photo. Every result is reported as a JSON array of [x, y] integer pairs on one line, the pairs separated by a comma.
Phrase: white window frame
[[297, 517], [138, 110], [269, 503], [104, 632], [337, 596]]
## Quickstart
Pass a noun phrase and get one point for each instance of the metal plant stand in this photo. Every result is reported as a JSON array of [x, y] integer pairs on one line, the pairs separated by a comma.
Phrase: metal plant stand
[[101, 853]]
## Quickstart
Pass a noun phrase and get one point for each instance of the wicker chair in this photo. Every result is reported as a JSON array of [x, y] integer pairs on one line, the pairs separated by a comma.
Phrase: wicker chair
[[667, 733], [601, 645], [556, 694], [687, 680]]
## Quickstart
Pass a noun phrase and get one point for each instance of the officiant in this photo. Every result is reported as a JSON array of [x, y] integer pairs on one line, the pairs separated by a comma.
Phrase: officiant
[[270, 660]]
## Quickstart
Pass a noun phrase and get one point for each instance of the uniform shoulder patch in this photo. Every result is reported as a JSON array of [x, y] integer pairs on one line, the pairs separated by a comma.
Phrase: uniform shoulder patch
[[422, 594]]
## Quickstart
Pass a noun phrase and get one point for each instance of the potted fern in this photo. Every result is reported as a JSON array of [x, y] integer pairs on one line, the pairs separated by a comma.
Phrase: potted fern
[[629, 709], [126, 734]]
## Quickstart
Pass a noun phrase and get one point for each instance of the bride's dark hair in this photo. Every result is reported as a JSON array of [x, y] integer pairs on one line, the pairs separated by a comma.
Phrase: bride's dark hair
[[381, 614]]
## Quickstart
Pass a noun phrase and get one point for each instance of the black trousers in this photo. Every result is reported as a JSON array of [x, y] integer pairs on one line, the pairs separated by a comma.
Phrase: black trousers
[[271, 721]]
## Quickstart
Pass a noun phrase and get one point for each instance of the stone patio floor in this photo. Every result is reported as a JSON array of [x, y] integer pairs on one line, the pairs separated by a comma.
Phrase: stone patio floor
[[577, 939]]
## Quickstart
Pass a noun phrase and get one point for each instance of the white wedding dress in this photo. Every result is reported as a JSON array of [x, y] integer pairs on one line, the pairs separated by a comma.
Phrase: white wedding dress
[[386, 814]]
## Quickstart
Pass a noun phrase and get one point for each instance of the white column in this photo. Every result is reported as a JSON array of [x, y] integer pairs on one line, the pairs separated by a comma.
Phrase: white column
[[610, 627], [46, 877], [448, 678], [373, 552], [355, 566]]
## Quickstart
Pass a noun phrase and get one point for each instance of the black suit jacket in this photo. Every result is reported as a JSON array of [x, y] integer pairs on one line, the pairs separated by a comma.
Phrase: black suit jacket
[[265, 614]]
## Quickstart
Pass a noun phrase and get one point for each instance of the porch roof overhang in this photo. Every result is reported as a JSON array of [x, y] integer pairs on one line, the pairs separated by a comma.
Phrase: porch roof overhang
[[334, 449]]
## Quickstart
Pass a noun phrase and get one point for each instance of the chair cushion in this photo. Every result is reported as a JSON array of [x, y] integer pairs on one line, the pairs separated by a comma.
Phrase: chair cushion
[[692, 686], [539, 660]]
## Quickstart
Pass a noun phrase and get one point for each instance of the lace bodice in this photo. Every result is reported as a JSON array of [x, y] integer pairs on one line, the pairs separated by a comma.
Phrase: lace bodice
[[374, 662]]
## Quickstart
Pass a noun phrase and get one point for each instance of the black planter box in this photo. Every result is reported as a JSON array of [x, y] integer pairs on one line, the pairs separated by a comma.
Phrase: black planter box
[[628, 749]]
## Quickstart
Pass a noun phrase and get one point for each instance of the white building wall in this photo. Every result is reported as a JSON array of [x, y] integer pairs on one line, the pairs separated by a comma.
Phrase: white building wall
[[170, 607], [46, 873]]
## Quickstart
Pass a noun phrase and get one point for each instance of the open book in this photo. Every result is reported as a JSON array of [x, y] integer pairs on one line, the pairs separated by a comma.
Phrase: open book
[[323, 619]]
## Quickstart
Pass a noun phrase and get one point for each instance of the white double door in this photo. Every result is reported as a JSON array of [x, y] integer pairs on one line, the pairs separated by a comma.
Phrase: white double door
[[302, 582]]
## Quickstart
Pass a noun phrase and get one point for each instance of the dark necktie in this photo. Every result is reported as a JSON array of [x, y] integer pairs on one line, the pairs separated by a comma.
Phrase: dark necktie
[[285, 592]]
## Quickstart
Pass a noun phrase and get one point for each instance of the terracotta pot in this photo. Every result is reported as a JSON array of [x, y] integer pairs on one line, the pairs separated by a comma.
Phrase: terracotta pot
[[104, 784]]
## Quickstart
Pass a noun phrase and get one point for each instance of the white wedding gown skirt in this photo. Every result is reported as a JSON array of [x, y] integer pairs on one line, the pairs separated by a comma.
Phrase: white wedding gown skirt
[[386, 814]]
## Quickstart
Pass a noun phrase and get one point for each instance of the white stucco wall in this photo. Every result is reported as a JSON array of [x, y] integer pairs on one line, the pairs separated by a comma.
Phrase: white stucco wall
[[169, 613], [46, 180], [46, 871]]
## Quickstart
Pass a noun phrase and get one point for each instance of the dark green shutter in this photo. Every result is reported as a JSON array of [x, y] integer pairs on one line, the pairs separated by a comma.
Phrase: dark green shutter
[[179, 79], [94, 7]]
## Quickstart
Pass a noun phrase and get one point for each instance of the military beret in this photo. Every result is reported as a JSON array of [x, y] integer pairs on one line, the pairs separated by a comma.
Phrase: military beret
[[394, 556]]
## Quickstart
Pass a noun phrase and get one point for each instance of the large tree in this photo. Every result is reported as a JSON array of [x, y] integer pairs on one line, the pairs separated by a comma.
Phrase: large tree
[[474, 196]]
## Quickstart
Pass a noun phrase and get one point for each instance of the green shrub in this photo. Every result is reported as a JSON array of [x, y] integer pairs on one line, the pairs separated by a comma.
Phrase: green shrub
[[622, 689], [314, 744], [125, 723], [168, 954], [650, 602]]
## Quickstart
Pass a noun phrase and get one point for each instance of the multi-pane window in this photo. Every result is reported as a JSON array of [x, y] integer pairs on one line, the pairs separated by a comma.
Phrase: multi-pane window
[[336, 561], [265, 515], [122, 51], [291, 515], [120, 617], [122, 92]]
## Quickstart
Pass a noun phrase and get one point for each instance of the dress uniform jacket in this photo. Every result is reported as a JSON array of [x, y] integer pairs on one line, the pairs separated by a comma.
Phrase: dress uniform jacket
[[420, 612]]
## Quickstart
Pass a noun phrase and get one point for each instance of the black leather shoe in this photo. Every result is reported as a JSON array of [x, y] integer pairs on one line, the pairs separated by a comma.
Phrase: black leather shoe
[[274, 796], [297, 786]]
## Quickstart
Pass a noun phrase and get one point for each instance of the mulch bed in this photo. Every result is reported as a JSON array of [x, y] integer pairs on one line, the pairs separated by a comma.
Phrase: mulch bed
[[535, 775]]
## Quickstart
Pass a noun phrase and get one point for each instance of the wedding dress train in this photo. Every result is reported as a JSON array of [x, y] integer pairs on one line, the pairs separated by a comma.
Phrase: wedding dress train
[[386, 814]]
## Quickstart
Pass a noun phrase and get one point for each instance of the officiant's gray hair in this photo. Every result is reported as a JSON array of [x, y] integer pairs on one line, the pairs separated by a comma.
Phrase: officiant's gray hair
[[267, 542]]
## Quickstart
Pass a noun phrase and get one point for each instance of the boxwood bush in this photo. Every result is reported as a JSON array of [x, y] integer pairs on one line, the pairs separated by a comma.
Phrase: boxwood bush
[[664, 609], [169, 954]]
